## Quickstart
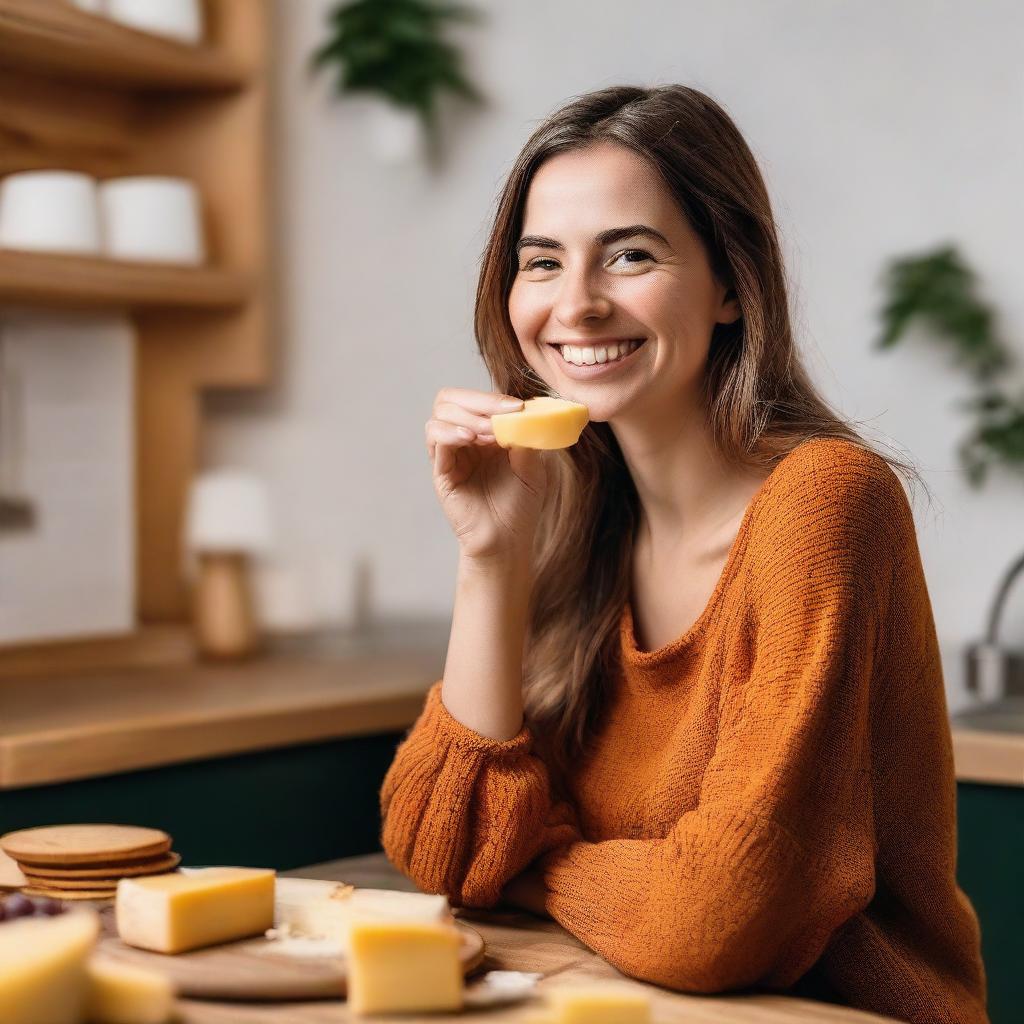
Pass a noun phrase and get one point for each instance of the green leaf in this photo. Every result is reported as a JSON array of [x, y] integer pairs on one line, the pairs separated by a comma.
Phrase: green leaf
[[937, 289]]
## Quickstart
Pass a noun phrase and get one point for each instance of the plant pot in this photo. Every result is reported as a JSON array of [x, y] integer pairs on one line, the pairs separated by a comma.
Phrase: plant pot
[[397, 134]]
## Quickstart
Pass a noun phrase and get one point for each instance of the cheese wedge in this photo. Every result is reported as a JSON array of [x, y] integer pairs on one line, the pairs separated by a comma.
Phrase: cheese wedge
[[599, 1003], [403, 968], [319, 909], [542, 423], [179, 911], [43, 967], [124, 994]]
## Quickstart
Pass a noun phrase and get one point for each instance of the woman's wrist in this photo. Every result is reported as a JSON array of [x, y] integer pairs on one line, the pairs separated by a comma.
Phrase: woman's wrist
[[511, 565]]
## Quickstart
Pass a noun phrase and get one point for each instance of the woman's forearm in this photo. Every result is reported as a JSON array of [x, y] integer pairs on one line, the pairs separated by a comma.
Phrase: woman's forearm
[[483, 672]]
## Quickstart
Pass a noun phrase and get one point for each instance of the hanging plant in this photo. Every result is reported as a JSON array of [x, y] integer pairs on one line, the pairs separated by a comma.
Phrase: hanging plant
[[937, 289], [394, 48]]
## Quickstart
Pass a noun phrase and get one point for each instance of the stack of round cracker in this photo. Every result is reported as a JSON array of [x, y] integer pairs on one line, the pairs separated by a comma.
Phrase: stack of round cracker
[[85, 862]]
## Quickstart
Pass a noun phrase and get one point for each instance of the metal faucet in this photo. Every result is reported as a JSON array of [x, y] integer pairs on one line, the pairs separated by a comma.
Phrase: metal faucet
[[995, 672]]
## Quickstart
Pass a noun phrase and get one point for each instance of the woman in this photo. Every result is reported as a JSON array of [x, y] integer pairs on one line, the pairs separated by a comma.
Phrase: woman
[[692, 706]]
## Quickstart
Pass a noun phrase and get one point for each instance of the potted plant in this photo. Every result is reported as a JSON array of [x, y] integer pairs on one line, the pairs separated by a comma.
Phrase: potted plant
[[394, 49], [938, 289]]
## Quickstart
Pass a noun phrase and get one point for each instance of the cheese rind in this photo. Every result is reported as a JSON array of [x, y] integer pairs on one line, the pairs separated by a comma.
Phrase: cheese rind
[[404, 968], [125, 994], [597, 1003], [43, 967], [177, 912], [543, 423]]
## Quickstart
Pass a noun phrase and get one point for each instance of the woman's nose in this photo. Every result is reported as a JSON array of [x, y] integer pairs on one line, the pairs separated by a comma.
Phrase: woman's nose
[[579, 298]]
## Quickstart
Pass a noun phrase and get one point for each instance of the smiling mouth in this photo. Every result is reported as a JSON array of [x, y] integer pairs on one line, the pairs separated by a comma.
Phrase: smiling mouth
[[592, 355]]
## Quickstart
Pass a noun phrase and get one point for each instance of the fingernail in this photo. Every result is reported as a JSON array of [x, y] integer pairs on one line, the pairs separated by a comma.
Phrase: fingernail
[[510, 403]]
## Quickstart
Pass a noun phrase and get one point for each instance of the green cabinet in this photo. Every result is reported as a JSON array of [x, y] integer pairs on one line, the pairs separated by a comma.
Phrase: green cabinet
[[990, 870], [279, 808]]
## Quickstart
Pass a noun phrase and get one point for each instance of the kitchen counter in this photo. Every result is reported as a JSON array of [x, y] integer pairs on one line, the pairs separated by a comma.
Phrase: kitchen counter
[[100, 722], [522, 942], [995, 758], [67, 726]]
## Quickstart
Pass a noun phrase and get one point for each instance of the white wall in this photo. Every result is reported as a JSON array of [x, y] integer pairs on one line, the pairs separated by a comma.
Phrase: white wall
[[67, 388], [881, 128]]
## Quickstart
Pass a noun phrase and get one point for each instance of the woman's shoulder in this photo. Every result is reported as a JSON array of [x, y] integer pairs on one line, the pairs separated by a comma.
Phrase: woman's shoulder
[[829, 494], [825, 475]]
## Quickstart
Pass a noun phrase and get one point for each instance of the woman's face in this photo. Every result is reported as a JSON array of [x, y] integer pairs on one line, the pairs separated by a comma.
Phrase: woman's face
[[572, 286]]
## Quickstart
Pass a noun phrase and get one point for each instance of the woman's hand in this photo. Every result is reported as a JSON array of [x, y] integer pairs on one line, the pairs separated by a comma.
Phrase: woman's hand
[[526, 891], [491, 495]]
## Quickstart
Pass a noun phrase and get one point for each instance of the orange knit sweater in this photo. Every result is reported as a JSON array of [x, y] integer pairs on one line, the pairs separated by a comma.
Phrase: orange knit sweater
[[770, 802]]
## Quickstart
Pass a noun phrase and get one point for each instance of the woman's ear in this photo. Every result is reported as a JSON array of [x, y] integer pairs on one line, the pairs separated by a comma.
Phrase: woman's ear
[[729, 310]]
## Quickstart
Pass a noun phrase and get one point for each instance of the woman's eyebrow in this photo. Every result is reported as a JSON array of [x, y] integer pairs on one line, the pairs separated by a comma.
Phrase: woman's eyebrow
[[607, 237]]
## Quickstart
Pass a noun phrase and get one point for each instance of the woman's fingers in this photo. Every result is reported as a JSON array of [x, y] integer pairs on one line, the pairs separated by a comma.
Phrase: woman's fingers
[[462, 417], [442, 432], [452, 412], [482, 403]]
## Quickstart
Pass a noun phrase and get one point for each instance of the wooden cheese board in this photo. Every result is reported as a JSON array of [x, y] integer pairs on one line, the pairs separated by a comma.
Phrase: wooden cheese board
[[260, 968]]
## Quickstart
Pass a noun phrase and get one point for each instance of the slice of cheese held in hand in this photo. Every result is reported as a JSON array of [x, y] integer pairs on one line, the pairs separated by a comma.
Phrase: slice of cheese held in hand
[[187, 910], [542, 423], [43, 967], [403, 968], [598, 1003], [124, 994]]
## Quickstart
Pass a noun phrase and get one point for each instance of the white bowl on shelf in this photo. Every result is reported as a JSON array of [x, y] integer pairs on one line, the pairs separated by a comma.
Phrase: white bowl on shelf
[[50, 211], [152, 218]]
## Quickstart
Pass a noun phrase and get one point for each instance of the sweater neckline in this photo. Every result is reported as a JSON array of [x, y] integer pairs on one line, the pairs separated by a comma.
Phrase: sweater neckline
[[633, 656]]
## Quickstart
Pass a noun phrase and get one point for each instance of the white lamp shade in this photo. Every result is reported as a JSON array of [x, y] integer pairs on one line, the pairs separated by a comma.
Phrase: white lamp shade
[[228, 511]]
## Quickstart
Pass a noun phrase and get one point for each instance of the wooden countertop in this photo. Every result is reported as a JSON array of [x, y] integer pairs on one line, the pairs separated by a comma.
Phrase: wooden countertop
[[94, 722], [993, 758], [522, 942], [73, 726]]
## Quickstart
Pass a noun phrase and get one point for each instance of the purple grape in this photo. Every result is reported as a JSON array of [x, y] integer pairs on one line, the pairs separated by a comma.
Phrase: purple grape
[[19, 905]]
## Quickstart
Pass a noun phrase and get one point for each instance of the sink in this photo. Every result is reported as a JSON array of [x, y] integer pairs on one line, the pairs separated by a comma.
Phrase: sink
[[1006, 715]]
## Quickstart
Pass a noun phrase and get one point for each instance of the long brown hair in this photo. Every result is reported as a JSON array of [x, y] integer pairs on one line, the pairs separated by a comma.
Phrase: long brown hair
[[758, 397]]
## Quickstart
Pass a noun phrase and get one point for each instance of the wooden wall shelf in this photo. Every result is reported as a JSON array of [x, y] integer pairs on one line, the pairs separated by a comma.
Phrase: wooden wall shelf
[[44, 279], [79, 92], [58, 39]]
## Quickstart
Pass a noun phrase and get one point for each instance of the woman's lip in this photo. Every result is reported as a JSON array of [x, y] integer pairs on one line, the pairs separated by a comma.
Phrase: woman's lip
[[592, 370]]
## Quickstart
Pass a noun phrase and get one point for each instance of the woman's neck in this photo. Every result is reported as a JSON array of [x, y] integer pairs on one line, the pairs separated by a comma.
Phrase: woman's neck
[[688, 493]]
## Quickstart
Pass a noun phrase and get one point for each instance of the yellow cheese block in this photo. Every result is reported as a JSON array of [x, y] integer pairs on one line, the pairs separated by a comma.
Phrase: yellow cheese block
[[43, 967], [541, 423], [403, 968], [123, 994], [597, 1003], [187, 910]]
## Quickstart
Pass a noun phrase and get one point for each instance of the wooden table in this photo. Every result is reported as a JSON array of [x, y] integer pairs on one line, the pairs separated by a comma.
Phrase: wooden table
[[521, 942]]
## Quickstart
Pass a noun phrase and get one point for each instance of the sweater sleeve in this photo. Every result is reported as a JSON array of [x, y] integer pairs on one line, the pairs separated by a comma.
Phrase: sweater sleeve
[[464, 813], [779, 850]]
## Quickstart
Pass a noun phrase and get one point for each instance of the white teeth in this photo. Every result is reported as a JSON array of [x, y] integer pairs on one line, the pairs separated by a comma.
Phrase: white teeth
[[589, 355]]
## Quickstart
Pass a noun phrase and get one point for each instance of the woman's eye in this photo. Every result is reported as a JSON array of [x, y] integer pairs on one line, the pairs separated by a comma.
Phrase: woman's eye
[[536, 264], [635, 252]]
